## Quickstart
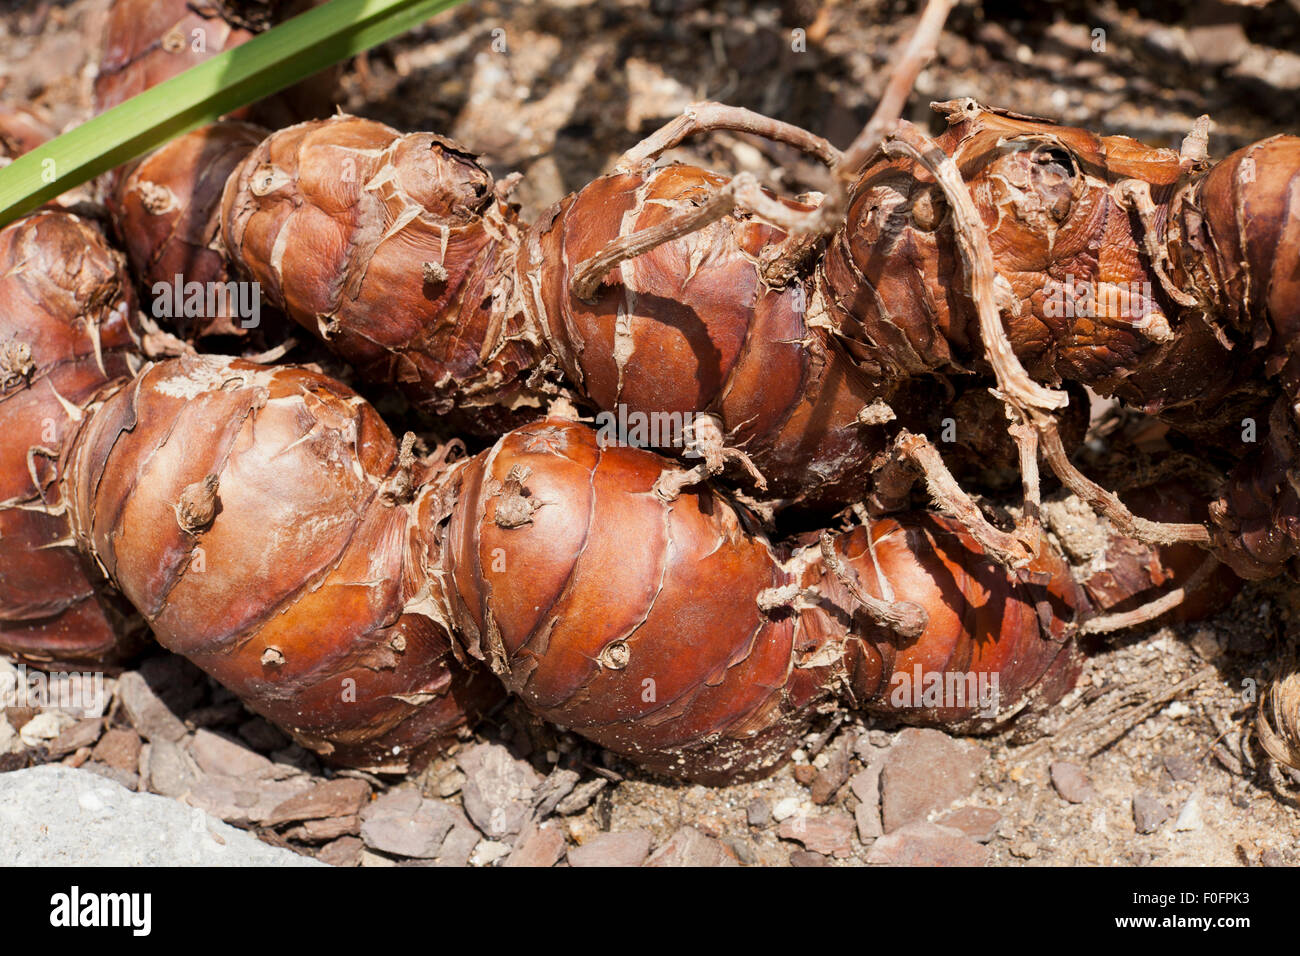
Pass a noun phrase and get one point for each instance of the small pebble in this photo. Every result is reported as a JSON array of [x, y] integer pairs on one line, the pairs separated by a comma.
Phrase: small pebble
[[1148, 813], [1072, 782], [786, 808], [1189, 818], [1025, 849], [488, 852]]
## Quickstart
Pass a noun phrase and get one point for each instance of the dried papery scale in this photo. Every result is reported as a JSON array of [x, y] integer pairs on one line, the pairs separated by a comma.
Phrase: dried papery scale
[[1277, 726], [675, 633], [66, 303]]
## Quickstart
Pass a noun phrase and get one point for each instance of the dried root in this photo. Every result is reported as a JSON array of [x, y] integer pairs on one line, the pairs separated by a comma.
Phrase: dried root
[[1278, 723]]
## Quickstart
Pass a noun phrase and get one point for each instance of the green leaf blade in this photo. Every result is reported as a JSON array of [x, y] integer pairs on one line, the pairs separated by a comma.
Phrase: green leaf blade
[[277, 59]]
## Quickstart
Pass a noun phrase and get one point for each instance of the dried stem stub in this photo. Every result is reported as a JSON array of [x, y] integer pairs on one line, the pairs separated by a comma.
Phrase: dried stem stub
[[902, 617]]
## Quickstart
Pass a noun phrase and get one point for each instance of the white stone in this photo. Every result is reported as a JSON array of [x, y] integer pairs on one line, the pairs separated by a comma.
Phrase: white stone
[[57, 816]]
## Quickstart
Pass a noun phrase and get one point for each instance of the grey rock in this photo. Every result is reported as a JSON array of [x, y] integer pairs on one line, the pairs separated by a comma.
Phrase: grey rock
[[498, 791], [488, 852], [459, 844], [171, 772], [44, 727], [1024, 849], [787, 807], [807, 858], [1148, 813], [581, 797], [1190, 817], [863, 749], [343, 797], [403, 823], [243, 801], [867, 819], [830, 834], [558, 785], [1273, 857], [219, 755], [56, 816], [1072, 782], [126, 778], [744, 850], [758, 813], [538, 846], [978, 823], [927, 844], [450, 784], [83, 733], [926, 770], [345, 851], [689, 847], [146, 710], [831, 777], [866, 787], [119, 748], [627, 848], [1181, 767], [321, 831]]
